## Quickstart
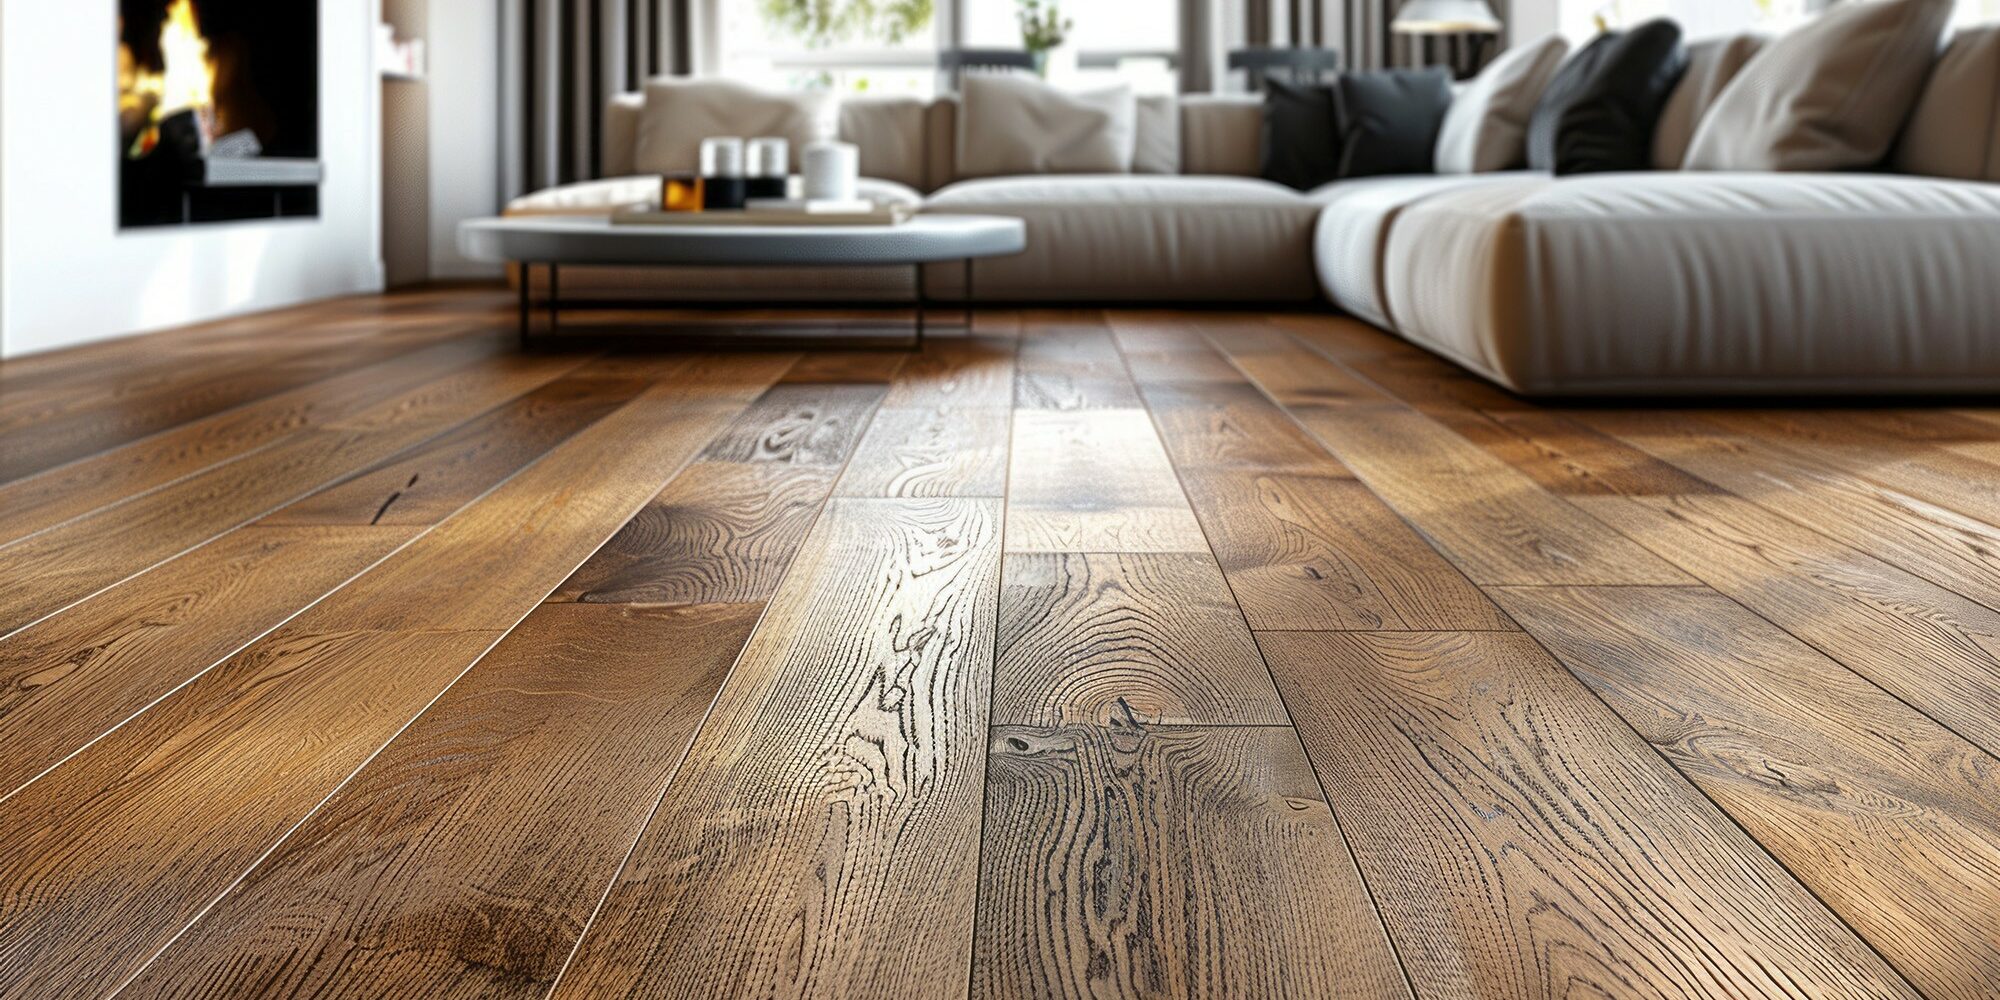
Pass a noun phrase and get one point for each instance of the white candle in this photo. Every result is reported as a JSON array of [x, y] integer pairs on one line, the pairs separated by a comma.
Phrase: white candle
[[830, 170]]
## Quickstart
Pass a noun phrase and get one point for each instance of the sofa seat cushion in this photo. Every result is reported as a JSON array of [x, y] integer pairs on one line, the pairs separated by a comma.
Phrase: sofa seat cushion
[[1718, 283], [1352, 231], [1139, 238]]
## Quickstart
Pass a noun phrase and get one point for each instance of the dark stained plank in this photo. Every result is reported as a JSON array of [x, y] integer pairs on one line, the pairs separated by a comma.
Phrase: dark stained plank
[[1151, 638], [465, 859], [41, 501], [1322, 553], [721, 532], [1522, 842], [1231, 426], [1892, 820], [1137, 862], [46, 572], [134, 837], [798, 424], [1094, 481], [426, 484], [73, 677], [816, 842], [1494, 522], [1935, 649], [938, 452]]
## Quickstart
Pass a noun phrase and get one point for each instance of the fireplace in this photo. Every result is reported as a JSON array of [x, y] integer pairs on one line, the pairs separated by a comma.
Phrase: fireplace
[[218, 110]]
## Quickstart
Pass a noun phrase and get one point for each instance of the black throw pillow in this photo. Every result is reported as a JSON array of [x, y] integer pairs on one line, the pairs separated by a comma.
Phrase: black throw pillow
[[1599, 112], [1390, 119], [1301, 147]]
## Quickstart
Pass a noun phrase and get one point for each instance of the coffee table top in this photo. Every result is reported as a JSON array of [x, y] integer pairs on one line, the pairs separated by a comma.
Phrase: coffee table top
[[591, 240]]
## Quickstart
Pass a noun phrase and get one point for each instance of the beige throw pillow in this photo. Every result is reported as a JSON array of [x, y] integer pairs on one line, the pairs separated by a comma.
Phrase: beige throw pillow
[[1712, 63], [1955, 130], [680, 113], [1020, 125], [1486, 128], [1831, 95]]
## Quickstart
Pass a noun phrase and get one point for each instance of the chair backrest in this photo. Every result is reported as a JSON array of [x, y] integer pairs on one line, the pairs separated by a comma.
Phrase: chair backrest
[[1298, 65]]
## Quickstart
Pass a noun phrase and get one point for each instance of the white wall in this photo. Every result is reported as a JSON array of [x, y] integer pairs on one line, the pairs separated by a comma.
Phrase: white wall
[[72, 277], [464, 79]]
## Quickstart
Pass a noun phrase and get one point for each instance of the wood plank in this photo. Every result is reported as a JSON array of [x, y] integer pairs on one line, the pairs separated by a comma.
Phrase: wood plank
[[156, 820], [1294, 375], [1138, 862], [816, 839], [1891, 819], [799, 424], [44, 573], [1321, 552], [1232, 426], [74, 677], [1152, 638], [1094, 481], [1521, 841], [945, 451], [466, 858], [1070, 362], [42, 501], [975, 373], [1933, 648], [427, 483], [1063, 391], [1495, 523], [721, 532]]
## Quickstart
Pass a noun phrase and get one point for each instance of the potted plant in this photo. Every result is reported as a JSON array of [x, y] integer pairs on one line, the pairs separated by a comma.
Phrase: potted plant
[[1042, 28]]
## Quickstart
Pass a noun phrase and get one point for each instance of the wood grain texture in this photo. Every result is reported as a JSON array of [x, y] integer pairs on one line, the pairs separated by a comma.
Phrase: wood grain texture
[[1522, 842], [46, 572], [1935, 649], [157, 819], [974, 373], [1494, 522], [465, 859], [1152, 638], [42, 501], [1294, 375], [1891, 819], [721, 532], [799, 424], [1094, 481], [1322, 553], [425, 484], [1138, 862], [74, 677], [1232, 426], [940, 452], [1070, 362], [816, 842]]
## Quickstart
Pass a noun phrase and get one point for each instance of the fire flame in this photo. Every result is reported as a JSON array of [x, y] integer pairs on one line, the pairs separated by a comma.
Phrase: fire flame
[[186, 83]]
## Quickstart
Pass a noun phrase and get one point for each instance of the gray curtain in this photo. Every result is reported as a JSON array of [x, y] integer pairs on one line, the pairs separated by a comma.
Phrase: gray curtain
[[565, 59]]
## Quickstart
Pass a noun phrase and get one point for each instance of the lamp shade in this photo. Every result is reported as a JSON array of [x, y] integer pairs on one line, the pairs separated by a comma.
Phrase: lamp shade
[[1444, 17]]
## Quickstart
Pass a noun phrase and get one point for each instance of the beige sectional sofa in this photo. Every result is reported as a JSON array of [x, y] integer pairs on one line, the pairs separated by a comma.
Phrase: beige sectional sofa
[[1667, 282]]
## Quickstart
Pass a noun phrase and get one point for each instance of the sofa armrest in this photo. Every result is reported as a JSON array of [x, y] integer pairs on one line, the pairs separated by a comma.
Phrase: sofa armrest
[[621, 134]]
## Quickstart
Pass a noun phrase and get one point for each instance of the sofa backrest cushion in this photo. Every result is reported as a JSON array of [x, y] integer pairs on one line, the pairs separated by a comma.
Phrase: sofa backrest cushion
[[1487, 127], [1599, 112], [1014, 124], [1831, 95], [1389, 120], [1219, 134], [890, 134], [1712, 63], [1300, 147], [620, 138], [1955, 129], [680, 113], [1156, 145]]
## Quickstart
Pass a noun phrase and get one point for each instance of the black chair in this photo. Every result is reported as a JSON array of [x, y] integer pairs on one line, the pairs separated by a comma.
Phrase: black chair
[[954, 63], [1301, 66]]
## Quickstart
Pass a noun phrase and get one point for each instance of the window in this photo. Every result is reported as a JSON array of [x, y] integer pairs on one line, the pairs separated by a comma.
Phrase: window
[[891, 46]]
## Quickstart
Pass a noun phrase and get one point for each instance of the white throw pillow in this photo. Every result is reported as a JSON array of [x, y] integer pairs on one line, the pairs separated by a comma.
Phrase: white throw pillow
[[1831, 95], [680, 113], [1712, 63], [1019, 125], [1486, 128], [1955, 129]]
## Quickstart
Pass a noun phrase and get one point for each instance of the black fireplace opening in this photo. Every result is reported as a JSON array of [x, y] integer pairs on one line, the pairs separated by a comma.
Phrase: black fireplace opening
[[218, 111]]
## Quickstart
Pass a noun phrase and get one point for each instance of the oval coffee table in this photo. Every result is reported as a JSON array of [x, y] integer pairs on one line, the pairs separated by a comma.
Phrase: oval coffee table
[[553, 241]]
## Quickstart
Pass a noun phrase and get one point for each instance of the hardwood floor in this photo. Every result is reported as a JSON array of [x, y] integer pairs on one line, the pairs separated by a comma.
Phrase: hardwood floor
[[347, 652]]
